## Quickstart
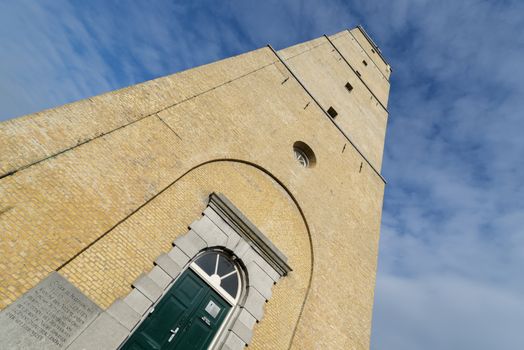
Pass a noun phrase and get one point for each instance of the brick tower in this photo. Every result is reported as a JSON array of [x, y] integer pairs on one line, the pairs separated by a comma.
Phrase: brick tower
[[233, 204]]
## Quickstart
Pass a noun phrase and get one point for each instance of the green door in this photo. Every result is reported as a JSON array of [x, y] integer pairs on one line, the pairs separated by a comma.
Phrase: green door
[[187, 318]]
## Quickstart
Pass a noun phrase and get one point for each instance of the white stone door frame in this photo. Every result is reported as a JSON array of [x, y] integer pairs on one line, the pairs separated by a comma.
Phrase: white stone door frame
[[223, 227]]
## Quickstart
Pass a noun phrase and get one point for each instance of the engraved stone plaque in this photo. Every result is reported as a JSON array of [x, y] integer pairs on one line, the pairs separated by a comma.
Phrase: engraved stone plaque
[[49, 316]]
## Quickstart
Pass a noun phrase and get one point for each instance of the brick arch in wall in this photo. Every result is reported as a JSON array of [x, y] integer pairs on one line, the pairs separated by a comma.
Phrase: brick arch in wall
[[262, 198]]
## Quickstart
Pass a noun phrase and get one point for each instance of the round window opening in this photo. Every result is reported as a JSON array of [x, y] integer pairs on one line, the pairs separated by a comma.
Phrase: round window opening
[[304, 154]]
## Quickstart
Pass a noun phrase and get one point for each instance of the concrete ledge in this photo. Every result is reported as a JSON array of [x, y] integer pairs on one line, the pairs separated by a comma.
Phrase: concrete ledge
[[124, 314], [218, 221], [259, 280], [233, 342], [190, 243], [255, 303], [138, 301], [209, 232], [148, 287], [178, 256], [241, 248], [169, 266], [243, 327], [232, 241], [252, 255], [105, 333], [160, 277]]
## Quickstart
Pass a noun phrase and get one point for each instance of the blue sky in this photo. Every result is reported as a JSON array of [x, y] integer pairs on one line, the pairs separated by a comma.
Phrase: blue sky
[[452, 246]]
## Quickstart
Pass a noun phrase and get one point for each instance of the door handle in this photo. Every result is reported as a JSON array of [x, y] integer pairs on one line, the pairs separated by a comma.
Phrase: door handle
[[173, 333]]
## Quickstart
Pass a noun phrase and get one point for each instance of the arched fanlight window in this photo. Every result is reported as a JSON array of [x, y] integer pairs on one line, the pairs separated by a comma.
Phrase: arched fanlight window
[[221, 273]]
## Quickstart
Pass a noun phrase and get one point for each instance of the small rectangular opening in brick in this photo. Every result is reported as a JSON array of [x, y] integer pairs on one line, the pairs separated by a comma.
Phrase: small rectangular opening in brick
[[332, 113], [365, 63], [358, 73], [349, 87]]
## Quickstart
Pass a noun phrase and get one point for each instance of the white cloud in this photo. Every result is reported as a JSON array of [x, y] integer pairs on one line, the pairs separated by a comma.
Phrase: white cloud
[[444, 312], [451, 244]]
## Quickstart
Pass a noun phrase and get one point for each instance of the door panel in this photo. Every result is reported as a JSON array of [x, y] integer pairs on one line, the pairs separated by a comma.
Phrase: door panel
[[203, 323], [171, 312], [155, 331]]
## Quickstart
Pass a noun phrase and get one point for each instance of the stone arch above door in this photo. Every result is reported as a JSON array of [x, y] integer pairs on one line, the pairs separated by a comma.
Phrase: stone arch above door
[[221, 226]]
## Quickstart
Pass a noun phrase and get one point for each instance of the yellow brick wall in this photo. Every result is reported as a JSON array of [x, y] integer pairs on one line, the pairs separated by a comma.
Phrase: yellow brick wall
[[100, 188], [33, 138], [322, 70]]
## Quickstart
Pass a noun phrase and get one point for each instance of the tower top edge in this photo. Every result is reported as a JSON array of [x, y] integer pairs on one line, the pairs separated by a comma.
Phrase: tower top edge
[[372, 43]]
